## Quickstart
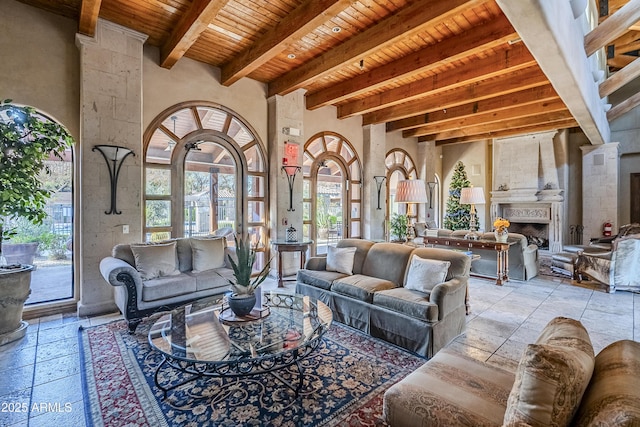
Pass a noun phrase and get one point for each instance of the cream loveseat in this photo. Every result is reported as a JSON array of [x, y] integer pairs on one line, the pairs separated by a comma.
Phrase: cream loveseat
[[153, 277], [558, 382], [414, 298]]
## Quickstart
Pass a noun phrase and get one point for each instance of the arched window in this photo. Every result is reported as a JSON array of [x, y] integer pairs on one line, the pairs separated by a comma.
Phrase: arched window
[[205, 169], [400, 166], [332, 190]]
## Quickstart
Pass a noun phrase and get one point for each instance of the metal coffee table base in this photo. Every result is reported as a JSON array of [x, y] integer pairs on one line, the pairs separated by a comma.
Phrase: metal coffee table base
[[235, 370]]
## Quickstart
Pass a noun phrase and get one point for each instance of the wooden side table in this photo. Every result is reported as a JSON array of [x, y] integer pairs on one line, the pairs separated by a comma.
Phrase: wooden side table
[[282, 246]]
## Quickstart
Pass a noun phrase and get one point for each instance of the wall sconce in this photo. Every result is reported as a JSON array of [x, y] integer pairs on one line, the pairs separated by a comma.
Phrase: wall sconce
[[291, 172], [114, 156], [379, 181], [432, 186]]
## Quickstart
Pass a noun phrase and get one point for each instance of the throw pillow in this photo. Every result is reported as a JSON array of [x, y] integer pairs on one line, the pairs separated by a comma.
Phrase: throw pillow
[[425, 273], [340, 259], [207, 254], [155, 260], [552, 376]]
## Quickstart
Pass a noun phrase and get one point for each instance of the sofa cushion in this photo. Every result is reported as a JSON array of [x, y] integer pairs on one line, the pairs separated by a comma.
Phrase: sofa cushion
[[613, 395], [211, 279], [340, 259], [551, 376], [387, 261], [425, 273], [167, 287], [362, 249], [451, 389], [155, 260], [361, 287], [207, 254], [406, 301], [318, 278]]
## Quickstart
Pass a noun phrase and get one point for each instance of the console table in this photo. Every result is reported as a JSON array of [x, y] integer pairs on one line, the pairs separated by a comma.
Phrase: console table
[[502, 249], [283, 246]]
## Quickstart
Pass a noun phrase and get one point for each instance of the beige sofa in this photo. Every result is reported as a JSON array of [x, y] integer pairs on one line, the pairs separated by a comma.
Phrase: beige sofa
[[523, 257], [147, 278], [375, 295], [558, 382]]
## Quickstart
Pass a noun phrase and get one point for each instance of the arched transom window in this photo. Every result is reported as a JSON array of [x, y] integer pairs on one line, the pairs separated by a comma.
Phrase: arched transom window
[[205, 169], [332, 190]]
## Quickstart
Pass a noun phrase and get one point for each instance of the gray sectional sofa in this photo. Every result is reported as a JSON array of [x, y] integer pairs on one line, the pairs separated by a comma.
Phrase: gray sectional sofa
[[376, 298], [153, 277]]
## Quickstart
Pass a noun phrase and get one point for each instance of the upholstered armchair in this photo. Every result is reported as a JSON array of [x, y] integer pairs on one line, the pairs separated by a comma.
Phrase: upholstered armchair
[[618, 269]]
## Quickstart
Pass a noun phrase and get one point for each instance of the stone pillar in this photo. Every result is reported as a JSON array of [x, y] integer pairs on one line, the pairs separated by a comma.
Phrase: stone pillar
[[600, 175], [427, 166], [285, 112], [110, 114], [374, 151]]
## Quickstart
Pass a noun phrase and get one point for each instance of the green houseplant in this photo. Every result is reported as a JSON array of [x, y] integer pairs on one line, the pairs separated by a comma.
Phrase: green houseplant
[[243, 285], [399, 226], [27, 140]]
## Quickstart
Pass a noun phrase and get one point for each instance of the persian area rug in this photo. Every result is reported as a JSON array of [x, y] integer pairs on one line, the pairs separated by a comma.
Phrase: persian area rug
[[344, 382]]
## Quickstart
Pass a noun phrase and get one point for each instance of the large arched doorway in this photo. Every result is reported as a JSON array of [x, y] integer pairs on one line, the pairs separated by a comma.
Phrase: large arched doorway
[[204, 170], [400, 166], [332, 190]]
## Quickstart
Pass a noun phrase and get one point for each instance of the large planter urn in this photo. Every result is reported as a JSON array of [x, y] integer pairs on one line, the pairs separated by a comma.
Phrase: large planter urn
[[15, 287]]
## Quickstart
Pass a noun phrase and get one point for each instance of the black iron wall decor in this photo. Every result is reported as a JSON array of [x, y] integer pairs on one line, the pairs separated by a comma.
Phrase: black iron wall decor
[[379, 179], [114, 156], [291, 172]]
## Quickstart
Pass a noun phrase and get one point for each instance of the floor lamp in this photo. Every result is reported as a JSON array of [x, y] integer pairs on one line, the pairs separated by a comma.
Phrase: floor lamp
[[472, 196], [411, 191]]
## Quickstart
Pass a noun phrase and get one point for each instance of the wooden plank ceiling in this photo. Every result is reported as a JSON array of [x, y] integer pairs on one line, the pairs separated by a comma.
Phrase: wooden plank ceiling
[[444, 70]]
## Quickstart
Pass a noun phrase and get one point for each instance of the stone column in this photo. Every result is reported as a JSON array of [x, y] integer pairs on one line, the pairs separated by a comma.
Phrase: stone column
[[600, 175], [110, 114], [374, 151], [285, 112]]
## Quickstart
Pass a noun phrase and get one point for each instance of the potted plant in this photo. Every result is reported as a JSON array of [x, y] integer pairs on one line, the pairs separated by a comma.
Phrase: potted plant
[[399, 226], [243, 286], [27, 140]]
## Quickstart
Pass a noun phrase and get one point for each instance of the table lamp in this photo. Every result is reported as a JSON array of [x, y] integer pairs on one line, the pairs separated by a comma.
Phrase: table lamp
[[472, 196], [411, 191]]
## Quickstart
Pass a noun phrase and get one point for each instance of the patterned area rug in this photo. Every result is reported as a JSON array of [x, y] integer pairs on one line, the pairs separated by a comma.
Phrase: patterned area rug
[[344, 382]]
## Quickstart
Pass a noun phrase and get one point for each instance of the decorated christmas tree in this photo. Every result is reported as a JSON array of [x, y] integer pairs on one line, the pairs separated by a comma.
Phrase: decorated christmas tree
[[457, 215]]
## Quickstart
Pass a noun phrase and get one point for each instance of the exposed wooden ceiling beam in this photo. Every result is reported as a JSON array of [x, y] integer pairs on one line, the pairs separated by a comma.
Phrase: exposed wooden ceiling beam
[[302, 21], [456, 118], [189, 28], [620, 61], [89, 12], [408, 22], [505, 63], [532, 120], [614, 26], [623, 107], [506, 132], [620, 78], [476, 40], [514, 82]]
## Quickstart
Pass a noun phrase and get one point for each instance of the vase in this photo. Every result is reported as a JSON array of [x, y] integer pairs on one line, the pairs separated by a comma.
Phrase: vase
[[241, 305], [501, 235], [15, 287]]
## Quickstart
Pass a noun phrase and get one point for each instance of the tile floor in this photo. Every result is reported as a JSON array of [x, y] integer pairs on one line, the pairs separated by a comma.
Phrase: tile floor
[[40, 381]]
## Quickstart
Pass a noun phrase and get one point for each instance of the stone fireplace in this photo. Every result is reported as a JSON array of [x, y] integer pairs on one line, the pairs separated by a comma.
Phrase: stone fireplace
[[526, 188]]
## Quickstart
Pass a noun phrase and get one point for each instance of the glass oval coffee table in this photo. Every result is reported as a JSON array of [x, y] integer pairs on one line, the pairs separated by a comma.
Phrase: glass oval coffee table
[[197, 341]]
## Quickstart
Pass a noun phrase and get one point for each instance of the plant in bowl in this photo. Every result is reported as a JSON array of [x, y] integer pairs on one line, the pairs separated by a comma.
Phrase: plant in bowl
[[244, 283]]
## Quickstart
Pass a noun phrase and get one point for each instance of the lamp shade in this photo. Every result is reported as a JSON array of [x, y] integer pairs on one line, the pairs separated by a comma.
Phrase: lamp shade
[[472, 196], [411, 191]]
